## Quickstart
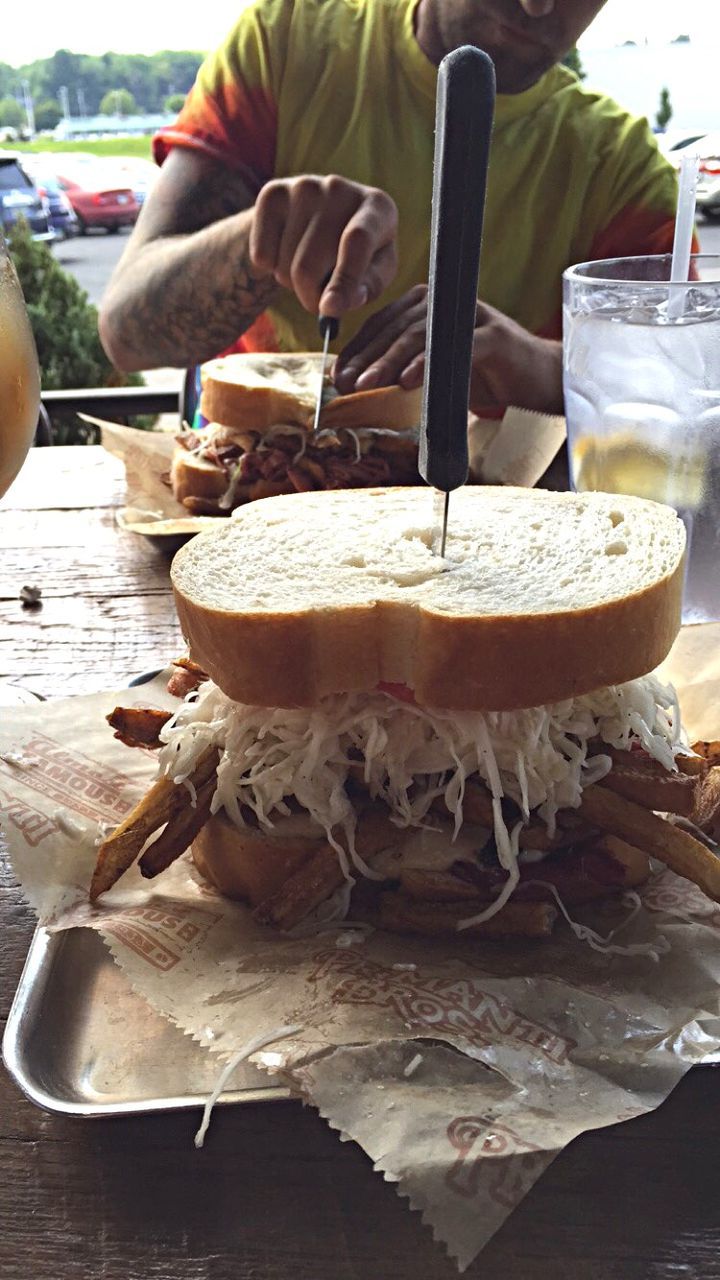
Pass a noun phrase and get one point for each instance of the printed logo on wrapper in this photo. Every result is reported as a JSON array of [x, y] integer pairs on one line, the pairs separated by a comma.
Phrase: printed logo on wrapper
[[33, 825], [670, 893], [505, 1180], [458, 1007], [74, 781], [161, 935]]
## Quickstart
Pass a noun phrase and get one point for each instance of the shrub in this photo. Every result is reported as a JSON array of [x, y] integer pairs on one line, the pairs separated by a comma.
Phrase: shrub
[[64, 324]]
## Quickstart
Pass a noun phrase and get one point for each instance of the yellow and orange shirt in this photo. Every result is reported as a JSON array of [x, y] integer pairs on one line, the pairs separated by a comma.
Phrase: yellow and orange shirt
[[341, 86]]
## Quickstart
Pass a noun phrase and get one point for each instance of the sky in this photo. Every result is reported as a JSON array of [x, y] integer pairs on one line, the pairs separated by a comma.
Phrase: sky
[[187, 25]]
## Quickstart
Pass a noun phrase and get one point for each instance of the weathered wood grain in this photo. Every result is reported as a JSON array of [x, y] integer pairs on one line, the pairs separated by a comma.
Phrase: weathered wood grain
[[107, 612]]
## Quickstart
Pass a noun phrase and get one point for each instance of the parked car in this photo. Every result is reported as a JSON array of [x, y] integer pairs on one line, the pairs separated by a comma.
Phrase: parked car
[[97, 198], [60, 211], [20, 198], [134, 172], [708, 187]]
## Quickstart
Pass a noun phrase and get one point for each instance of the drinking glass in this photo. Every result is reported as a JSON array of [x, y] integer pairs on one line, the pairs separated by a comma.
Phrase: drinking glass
[[19, 375], [642, 397]]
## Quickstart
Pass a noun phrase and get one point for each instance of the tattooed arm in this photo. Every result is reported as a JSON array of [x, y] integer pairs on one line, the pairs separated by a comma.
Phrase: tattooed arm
[[184, 288], [206, 258]]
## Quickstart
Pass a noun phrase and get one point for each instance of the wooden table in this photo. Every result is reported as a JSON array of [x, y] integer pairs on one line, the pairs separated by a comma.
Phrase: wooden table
[[274, 1195]]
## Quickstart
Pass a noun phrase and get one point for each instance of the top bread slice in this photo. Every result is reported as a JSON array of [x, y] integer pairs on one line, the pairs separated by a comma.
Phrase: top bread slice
[[253, 392], [541, 596]]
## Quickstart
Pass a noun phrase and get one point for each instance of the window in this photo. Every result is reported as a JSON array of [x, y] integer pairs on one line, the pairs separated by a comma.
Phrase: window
[[12, 177]]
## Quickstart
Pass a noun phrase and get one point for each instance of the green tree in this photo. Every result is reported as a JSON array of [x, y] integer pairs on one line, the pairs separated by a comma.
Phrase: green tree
[[12, 115], [664, 111], [118, 102], [48, 113], [7, 79], [174, 102], [572, 60], [64, 325], [87, 78]]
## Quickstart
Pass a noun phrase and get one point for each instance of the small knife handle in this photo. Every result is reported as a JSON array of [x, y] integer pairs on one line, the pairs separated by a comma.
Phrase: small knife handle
[[463, 125], [328, 325]]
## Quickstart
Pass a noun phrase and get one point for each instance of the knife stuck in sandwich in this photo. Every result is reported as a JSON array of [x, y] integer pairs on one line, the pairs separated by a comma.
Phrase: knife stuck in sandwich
[[463, 124], [328, 326]]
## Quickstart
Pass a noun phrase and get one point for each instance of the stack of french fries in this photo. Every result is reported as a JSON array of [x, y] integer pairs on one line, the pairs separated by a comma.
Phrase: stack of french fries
[[618, 818]]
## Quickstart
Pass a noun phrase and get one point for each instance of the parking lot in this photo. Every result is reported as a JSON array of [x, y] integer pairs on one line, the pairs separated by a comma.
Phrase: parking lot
[[91, 259]]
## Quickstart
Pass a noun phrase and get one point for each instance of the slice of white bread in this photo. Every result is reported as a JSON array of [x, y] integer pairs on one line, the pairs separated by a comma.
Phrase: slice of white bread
[[192, 476], [542, 596], [251, 864], [256, 391]]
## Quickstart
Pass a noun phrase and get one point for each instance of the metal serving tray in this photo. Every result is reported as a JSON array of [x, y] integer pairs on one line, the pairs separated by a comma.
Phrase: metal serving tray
[[79, 1041]]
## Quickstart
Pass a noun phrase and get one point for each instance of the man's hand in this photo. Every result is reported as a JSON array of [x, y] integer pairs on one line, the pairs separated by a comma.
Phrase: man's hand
[[310, 230], [509, 364], [208, 255]]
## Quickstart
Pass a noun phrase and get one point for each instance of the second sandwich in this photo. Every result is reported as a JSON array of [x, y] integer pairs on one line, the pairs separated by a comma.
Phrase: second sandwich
[[259, 440]]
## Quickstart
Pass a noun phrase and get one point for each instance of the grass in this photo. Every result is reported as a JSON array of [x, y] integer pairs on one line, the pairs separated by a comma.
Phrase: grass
[[137, 147]]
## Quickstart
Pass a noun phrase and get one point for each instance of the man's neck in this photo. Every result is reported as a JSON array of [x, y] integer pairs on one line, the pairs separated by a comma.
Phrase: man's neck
[[428, 32]]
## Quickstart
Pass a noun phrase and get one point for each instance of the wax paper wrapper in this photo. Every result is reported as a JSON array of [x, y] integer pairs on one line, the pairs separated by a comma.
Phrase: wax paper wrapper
[[150, 506], [516, 449], [462, 1068]]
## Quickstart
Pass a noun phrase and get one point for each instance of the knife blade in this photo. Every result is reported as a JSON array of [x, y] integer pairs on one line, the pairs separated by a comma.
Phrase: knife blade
[[463, 124], [328, 327]]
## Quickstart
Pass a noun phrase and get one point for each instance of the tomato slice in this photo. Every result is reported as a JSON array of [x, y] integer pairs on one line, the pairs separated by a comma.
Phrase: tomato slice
[[402, 692]]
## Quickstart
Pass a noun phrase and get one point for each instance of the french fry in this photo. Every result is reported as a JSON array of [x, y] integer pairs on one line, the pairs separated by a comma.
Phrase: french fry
[[660, 839], [318, 878], [693, 792], [516, 920], [186, 677], [138, 726], [640, 762], [303, 891], [164, 799], [187, 664], [709, 751], [440, 886], [599, 867], [179, 833], [478, 810], [122, 847]]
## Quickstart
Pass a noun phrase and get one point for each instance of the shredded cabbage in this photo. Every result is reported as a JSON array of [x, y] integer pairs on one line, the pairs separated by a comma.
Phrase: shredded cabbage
[[252, 1046], [409, 755], [596, 942]]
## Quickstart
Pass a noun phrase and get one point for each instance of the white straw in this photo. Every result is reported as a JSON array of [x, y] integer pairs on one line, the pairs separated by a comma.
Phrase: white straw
[[682, 243]]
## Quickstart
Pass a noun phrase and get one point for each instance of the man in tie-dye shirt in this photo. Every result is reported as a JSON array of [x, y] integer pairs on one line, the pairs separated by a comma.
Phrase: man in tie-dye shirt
[[305, 151]]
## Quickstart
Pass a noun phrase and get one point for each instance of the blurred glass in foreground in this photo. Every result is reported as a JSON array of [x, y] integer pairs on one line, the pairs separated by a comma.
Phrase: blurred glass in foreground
[[642, 397], [19, 375]]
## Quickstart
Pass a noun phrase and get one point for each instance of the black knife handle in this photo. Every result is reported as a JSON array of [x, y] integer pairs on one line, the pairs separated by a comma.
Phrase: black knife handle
[[328, 323], [463, 125]]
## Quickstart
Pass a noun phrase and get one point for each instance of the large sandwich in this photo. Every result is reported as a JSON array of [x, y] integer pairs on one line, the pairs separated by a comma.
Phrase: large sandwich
[[471, 743], [259, 440]]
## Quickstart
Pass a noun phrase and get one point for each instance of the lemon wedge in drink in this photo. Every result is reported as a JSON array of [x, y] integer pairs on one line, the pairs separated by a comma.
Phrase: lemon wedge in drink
[[619, 463]]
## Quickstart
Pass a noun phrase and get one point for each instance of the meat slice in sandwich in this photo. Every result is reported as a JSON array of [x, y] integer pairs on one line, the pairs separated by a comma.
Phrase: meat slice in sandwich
[[465, 743], [259, 441]]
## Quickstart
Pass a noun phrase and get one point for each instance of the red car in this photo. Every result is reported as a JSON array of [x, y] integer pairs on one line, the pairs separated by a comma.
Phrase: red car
[[96, 200]]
